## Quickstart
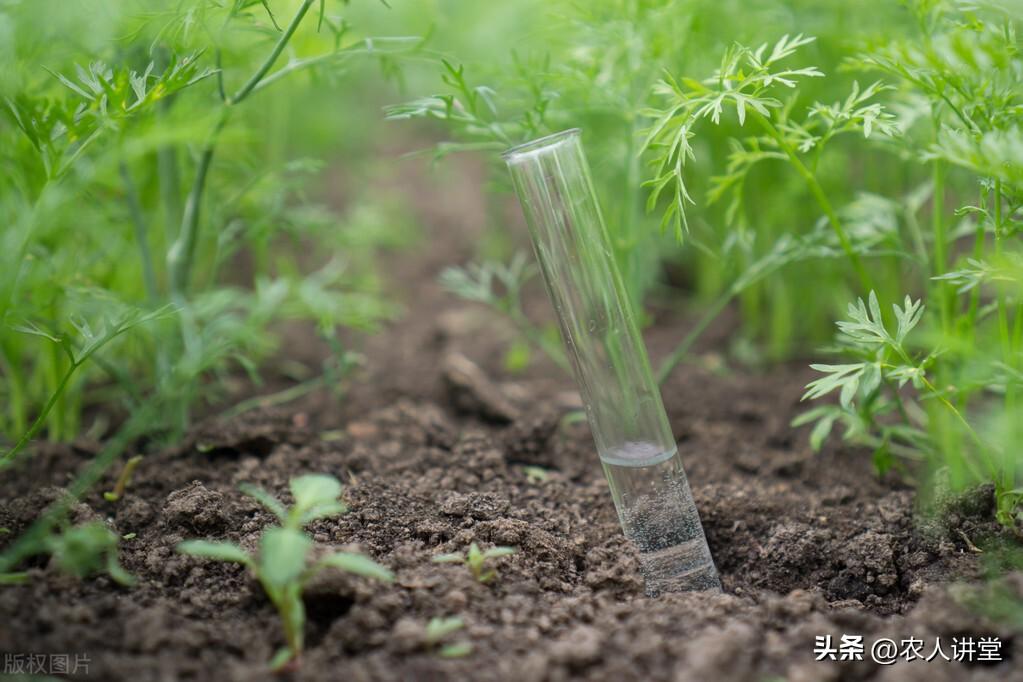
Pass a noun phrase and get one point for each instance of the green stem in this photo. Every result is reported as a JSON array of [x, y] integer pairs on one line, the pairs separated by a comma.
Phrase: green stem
[[37, 425], [919, 244], [181, 254], [940, 241], [170, 188], [970, 330], [274, 399], [278, 47], [822, 199], [15, 391], [1005, 335], [534, 336], [121, 485], [680, 352], [141, 232]]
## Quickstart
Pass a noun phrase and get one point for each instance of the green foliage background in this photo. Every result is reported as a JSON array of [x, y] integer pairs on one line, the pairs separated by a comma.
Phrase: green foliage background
[[806, 162]]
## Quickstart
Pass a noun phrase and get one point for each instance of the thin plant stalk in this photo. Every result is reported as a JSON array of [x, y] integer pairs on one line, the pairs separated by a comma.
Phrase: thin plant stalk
[[141, 230], [181, 255], [819, 195]]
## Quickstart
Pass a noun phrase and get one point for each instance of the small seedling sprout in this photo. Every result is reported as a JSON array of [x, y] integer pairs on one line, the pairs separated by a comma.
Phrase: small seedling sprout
[[476, 560], [123, 480], [88, 549], [536, 474], [438, 629], [282, 565]]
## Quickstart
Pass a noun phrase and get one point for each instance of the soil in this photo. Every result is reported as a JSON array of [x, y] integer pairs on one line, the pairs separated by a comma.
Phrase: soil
[[438, 447]]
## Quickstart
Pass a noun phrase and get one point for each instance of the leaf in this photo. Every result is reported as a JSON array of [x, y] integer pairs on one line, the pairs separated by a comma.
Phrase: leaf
[[117, 572], [907, 317], [883, 458], [357, 564], [496, 552], [439, 628], [448, 559], [281, 658], [313, 490], [273, 19], [28, 327], [323, 511], [457, 650], [849, 388], [282, 555], [821, 431], [871, 379], [266, 499], [837, 377], [219, 551], [15, 578]]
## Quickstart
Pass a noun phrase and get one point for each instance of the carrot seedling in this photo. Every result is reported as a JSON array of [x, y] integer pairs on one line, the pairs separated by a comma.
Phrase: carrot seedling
[[476, 560], [282, 565], [438, 629], [123, 480], [86, 550]]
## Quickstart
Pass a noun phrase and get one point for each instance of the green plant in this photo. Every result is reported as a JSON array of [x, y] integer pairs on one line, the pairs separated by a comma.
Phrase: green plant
[[536, 474], [871, 388], [749, 82], [81, 551], [499, 287], [959, 104], [123, 130], [87, 549], [123, 479], [476, 560], [283, 565], [134, 180], [438, 629]]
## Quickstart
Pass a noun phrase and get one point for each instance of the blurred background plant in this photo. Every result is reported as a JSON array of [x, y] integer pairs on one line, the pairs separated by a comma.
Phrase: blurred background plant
[[808, 155], [158, 209]]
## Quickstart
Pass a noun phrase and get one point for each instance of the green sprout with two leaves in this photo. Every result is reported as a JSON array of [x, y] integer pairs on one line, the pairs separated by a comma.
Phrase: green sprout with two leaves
[[476, 560], [282, 565], [438, 629]]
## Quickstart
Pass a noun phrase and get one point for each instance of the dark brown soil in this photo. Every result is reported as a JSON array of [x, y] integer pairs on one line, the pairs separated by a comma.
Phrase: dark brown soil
[[434, 455]]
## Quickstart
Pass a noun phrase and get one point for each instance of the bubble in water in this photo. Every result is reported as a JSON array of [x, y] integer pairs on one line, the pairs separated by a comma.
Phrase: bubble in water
[[657, 513]]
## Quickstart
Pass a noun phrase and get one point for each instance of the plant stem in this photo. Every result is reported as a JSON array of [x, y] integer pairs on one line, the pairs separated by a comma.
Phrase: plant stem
[[141, 233], [677, 355], [182, 253], [969, 329], [268, 63], [940, 241], [37, 425], [15, 391], [123, 480], [1005, 336], [274, 399], [821, 198], [532, 334]]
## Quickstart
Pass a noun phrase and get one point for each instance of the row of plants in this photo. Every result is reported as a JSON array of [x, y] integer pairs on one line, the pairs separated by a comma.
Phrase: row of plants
[[285, 563], [162, 227], [160, 224], [859, 165]]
